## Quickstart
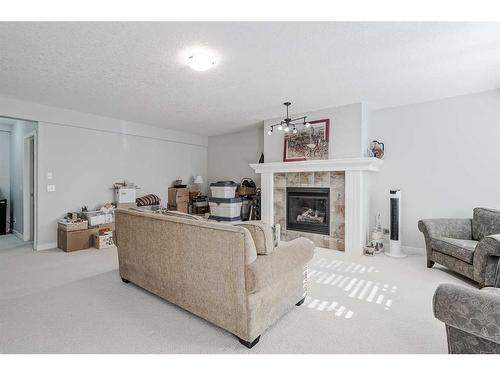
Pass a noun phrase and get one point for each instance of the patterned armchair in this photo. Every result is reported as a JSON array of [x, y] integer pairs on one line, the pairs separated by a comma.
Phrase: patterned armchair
[[471, 316], [470, 247]]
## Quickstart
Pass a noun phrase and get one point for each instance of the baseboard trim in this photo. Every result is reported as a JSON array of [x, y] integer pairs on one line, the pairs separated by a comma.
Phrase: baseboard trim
[[411, 250], [18, 235], [46, 246]]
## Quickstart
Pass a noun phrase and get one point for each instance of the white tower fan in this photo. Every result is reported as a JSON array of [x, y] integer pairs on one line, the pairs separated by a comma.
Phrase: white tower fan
[[395, 212]]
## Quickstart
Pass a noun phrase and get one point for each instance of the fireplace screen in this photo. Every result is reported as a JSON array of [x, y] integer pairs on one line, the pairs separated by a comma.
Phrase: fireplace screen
[[308, 210]]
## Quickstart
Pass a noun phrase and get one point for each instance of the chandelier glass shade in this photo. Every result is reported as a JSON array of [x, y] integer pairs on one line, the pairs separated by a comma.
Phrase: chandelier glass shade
[[289, 124]]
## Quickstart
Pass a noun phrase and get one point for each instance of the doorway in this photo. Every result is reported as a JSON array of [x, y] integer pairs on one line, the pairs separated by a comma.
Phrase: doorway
[[29, 188], [18, 164]]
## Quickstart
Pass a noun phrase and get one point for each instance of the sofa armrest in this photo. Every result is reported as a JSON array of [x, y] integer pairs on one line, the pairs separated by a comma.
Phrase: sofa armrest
[[454, 228], [486, 260], [470, 310], [268, 269], [262, 234]]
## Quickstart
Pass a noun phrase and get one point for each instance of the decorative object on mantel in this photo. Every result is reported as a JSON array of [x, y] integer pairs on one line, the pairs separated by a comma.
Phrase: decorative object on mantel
[[310, 143], [261, 159], [289, 124], [376, 149]]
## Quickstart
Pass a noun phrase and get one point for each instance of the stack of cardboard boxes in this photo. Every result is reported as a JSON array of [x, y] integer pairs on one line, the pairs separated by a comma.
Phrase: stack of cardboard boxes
[[74, 232], [178, 199]]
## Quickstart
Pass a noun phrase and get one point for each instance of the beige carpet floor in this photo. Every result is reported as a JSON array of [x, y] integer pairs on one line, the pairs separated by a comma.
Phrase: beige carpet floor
[[9, 241], [56, 302]]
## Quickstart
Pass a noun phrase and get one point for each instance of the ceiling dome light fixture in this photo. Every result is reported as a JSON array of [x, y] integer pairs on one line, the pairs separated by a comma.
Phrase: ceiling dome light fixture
[[288, 122], [200, 61]]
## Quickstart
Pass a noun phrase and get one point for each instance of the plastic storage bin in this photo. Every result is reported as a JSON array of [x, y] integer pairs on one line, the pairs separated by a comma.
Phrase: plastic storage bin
[[125, 195], [223, 189], [98, 218], [225, 209]]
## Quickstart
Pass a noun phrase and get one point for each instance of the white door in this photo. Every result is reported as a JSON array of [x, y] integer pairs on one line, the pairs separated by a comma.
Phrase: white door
[[31, 182]]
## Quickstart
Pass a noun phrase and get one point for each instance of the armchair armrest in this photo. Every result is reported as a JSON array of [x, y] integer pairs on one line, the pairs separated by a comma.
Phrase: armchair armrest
[[454, 228], [470, 310], [486, 260], [262, 234]]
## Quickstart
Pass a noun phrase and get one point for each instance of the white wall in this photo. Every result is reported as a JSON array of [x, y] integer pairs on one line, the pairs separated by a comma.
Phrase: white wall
[[19, 130], [5, 168], [87, 153], [346, 133], [444, 156], [84, 170], [229, 155]]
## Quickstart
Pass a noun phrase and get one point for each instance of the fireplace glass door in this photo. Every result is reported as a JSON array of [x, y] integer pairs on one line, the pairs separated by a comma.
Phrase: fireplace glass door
[[308, 210]]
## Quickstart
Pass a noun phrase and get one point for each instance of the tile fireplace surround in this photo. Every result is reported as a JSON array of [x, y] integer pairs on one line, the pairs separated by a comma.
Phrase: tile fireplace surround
[[347, 180], [333, 180]]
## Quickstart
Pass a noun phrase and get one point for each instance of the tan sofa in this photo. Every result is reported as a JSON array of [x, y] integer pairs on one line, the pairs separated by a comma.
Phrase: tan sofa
[[230, 275]]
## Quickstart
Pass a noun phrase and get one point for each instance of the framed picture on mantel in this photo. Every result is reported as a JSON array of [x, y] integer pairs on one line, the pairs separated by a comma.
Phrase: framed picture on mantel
[[310, 143]]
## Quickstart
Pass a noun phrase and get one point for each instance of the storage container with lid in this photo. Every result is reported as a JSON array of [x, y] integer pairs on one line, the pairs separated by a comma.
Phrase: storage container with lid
[[223, 189], [225, 209]]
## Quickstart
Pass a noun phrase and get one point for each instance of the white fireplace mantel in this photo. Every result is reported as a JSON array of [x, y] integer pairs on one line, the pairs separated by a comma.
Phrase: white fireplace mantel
[[356, 195], [329, 165]]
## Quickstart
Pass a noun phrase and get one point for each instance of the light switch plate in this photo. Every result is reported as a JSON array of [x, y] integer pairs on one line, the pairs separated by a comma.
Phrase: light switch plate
[[51, 187], [49, 175]]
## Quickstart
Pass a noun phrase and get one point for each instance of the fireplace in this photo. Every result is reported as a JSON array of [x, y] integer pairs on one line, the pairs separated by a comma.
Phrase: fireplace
[[308, 209]]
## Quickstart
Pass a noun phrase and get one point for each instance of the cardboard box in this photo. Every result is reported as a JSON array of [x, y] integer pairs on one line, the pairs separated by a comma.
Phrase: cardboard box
[[178, 195], [95, 230], [81, 239], [103, 241], [73, 240], [181, 207]]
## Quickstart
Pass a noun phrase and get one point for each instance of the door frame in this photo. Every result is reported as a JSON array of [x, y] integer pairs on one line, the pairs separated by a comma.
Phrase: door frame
[[26, 192]]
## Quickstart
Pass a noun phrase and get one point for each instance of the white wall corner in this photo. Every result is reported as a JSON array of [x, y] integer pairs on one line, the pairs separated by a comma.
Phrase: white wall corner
[[46, 246]]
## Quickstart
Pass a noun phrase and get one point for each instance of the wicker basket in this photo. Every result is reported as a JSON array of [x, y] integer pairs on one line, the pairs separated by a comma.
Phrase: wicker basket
[[72, 226], [245, 190]]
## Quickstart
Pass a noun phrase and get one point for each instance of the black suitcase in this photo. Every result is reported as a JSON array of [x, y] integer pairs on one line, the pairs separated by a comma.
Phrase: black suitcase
[[3, 216]]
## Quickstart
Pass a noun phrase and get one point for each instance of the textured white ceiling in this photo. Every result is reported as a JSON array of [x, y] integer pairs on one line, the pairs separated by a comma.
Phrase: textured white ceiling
[[132, 71]]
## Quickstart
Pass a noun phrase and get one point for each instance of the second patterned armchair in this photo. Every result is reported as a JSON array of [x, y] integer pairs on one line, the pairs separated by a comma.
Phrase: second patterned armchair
[[470, 247]]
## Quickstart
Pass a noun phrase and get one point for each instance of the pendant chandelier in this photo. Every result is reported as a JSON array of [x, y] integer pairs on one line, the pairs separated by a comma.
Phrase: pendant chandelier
[[289, 124]]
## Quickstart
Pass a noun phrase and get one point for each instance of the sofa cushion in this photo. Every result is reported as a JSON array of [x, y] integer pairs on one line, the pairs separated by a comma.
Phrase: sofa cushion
[[485, 222], [269, 269], [262, 235], [460, 249]]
